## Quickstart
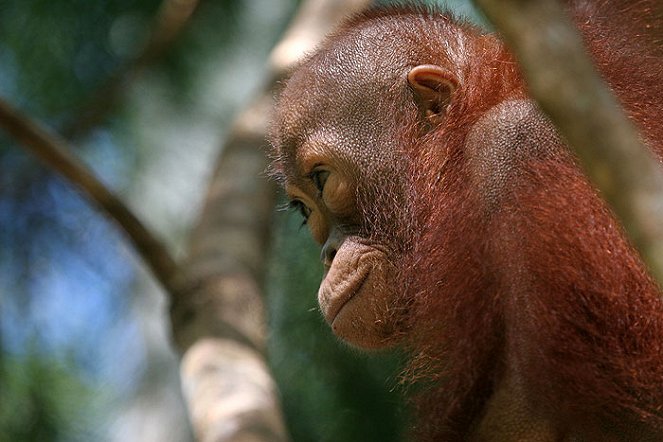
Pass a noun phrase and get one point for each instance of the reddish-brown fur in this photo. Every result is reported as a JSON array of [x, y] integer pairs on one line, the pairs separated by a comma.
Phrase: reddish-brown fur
[[527, 313], [545, 286]]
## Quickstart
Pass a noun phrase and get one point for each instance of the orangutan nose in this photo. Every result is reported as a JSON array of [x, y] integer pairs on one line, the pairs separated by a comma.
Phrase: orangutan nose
[[331, 246]]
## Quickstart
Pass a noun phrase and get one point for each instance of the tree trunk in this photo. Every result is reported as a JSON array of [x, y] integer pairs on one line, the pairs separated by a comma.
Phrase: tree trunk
[[218, 313]]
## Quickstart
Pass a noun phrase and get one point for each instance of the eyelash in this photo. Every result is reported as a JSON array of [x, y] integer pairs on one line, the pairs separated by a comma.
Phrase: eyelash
[[319, 178], [301, 208]]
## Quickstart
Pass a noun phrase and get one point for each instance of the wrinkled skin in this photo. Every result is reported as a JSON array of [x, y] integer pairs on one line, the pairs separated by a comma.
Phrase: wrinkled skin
[[453, 220]]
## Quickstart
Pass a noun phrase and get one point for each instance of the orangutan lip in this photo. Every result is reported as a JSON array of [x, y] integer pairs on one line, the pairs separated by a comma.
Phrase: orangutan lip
[[341, 301]]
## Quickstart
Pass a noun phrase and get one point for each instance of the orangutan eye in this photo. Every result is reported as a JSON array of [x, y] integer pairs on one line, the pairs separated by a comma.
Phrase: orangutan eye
[[302, 208], [319, 178]]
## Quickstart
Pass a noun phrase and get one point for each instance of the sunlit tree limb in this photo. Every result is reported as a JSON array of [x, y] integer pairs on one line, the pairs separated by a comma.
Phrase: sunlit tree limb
[[218, 317], [54, 153], [562, 79]]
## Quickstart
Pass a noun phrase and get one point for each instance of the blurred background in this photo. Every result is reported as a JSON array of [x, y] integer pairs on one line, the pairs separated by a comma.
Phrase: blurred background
[[85, 351]]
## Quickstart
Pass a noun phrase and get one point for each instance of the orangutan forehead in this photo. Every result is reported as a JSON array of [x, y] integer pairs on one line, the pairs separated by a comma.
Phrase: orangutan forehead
[[319, 112], [348, 145], [334, 101], [306, 147]]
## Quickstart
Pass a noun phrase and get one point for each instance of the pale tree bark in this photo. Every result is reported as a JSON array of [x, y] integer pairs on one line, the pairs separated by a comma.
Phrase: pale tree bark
[[219, 314], [562, 79]]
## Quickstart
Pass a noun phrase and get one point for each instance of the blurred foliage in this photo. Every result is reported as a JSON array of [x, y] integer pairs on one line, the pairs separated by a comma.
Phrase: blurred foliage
[[66, 279], [30, 412], [54, 53]]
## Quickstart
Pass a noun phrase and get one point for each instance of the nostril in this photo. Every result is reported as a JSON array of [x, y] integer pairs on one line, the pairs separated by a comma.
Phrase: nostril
[[331, 246], [328, 254]]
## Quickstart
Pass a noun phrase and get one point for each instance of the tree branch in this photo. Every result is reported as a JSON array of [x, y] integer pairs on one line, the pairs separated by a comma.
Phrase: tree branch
[[219, 316], [53, 152], [562, 79]]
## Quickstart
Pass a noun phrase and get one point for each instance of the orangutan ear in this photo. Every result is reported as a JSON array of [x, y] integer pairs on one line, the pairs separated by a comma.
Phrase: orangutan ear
[[433, 87]]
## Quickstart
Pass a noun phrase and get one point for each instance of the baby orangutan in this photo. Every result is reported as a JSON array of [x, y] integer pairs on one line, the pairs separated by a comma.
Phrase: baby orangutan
[[454, 221]]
